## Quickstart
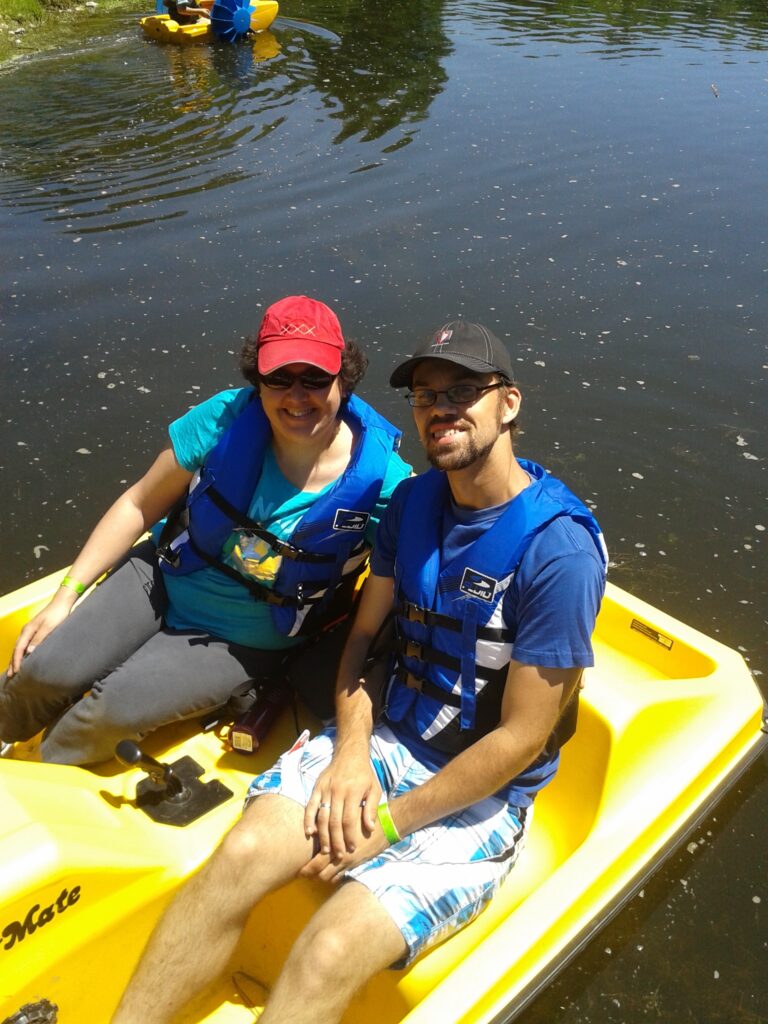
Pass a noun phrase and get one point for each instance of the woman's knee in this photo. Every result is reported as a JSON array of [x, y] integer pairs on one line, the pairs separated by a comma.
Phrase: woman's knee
[[51, 670], [89, 731], [79, 740]]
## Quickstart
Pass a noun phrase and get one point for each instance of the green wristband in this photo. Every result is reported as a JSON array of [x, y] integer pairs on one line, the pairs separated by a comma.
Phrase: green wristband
[[388, 826], [71, 584]]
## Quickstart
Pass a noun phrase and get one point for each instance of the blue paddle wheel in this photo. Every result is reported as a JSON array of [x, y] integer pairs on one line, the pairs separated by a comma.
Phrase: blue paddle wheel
[[231, 19]]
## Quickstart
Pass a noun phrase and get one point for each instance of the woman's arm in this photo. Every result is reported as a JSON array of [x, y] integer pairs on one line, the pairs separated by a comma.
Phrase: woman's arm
[[138, 508]]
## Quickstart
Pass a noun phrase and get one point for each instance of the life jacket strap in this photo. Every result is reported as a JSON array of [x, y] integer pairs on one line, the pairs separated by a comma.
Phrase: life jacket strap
[[423, 652], [562, 732], [257, 590], [241, 521], [430, 688], [427, 688], [415, 613], [176, 523]]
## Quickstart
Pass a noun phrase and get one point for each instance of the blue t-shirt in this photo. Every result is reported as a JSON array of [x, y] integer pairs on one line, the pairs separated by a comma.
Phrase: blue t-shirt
[[207, 599], [550, 605]]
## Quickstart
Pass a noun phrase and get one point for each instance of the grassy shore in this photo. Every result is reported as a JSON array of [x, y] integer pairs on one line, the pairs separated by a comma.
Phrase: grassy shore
[[27, 26]]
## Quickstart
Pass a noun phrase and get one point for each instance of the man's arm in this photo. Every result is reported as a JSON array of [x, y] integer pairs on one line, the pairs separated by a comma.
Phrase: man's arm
[[342, 807], [533, 700]]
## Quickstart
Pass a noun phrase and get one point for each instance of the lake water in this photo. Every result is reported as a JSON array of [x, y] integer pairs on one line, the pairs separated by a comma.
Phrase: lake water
[[588, 179]]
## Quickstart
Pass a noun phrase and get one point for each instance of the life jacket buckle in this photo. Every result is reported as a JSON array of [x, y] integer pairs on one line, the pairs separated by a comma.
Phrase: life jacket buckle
[[286, 550], [414, 650], [414, 682], [414, 613], [409, 679], [165, 556]]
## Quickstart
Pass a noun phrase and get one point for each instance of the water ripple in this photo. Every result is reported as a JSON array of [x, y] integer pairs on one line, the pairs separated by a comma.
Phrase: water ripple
[[146, 132], [165, 123], [611, 31]]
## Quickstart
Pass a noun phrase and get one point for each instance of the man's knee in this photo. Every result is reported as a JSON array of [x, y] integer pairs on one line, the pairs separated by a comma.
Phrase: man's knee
[[326, 955], [266, 847], [250, 850], [242, 847]]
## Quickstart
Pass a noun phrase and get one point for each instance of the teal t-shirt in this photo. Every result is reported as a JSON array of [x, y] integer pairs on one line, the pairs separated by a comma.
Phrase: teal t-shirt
[[207, 599]]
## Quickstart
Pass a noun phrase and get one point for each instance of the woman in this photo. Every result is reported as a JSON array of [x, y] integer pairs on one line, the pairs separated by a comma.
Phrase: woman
[[272, 493]]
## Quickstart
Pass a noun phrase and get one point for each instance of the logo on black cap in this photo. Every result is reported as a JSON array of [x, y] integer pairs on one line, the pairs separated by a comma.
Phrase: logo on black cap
[[442, 339]]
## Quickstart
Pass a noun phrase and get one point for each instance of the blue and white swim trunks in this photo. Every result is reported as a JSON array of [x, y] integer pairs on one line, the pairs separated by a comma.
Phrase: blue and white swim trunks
[[440, 877]]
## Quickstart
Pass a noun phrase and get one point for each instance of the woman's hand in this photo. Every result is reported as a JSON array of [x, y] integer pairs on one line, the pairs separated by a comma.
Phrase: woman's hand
[[135, 511], [38, 628]]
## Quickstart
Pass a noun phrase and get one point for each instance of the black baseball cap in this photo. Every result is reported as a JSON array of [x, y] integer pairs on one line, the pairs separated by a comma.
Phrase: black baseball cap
[[462, 342]]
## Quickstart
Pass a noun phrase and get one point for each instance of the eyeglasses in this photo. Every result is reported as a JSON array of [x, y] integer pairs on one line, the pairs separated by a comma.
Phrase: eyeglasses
[[459, 394], [281, 380]]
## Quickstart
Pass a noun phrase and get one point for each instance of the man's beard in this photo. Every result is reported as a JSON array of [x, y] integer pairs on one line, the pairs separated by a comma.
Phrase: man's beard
[[468, 454]]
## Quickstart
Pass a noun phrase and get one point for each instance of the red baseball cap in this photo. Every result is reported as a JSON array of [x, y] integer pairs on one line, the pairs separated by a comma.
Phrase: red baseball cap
[[299, 330]]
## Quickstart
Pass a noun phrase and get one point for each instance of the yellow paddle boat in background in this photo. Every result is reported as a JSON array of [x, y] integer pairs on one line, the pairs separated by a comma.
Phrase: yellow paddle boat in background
[[668, 720], [230, 20]]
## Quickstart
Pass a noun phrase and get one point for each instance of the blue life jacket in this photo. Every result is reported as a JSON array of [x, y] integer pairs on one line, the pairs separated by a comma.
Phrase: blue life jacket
[[327, 549], [452, 647]]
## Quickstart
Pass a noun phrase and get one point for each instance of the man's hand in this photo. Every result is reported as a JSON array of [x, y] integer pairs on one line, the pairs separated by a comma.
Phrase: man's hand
[[332, 868], [341, 811]]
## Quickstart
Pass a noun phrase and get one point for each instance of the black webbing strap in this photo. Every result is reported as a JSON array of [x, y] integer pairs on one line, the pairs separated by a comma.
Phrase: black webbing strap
[[415, 613], [283, 548], [176, 522], [429, 689], [422, 652], [562, 732], [257, 590]]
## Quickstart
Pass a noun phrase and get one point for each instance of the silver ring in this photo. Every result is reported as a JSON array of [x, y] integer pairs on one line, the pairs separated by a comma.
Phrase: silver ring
[[324, 805], [362, 803]]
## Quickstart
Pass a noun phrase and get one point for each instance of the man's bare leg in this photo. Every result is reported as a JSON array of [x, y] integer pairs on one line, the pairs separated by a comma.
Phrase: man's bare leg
[[349, 939], [198, 933]]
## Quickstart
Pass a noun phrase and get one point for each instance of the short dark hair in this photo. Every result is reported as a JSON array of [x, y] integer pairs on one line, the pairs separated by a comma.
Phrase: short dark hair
[[354, 363]]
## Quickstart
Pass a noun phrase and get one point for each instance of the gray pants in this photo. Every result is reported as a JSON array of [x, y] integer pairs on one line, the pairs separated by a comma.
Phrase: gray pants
[[112, 671]]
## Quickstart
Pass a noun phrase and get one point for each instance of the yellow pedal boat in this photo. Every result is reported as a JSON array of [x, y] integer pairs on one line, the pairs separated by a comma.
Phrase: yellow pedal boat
[[230, 20], [668, 719]]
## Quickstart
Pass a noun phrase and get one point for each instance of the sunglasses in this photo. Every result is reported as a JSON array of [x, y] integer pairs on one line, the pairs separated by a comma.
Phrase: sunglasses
[[281, 380]]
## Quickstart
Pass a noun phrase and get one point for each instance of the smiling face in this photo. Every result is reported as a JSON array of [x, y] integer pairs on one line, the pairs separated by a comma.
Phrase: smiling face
[[458, 436], [298, 415]]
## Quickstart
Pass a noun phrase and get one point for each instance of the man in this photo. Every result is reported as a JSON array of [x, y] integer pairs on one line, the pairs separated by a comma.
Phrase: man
[[495, 573], [186, 11]]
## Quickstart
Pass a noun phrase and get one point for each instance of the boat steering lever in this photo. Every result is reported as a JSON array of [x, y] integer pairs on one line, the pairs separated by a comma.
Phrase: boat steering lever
[[131, 755], [173, 793]]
